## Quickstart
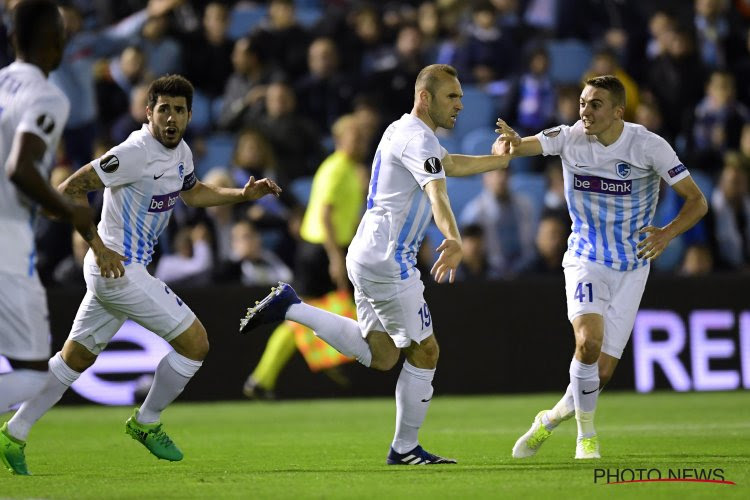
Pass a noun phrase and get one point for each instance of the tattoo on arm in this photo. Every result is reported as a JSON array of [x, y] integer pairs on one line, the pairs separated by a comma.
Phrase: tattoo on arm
[[80, 183]]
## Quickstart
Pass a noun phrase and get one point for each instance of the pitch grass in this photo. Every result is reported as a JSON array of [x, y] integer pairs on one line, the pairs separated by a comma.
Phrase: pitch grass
[[336, 449]]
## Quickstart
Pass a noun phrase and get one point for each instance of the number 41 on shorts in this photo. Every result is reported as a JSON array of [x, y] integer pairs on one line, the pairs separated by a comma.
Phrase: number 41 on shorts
[[581, 292]]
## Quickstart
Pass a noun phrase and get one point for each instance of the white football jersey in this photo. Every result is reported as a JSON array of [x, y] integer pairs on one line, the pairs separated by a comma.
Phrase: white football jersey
[[612, 190], [143, 179], [28, 104], [398, 210]]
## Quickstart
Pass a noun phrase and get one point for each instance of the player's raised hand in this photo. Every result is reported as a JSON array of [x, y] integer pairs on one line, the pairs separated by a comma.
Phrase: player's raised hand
[[657, 240], [257, 189], [506, 141], [450, 257]]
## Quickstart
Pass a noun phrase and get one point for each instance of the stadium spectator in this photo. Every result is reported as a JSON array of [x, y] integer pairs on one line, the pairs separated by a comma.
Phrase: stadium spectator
[[504, 216], [283, 37], [535, 93], [191, 260], [605, 62], [256, 266], [550, 243], [698, 261], [605, 277], [661, 24], [245, 90], [730, 205], [474, 265], [487, 54], [69, 271], [220, 218], [207, 53], [715, 32], [253, 157], [648, 114], [134, 118], [554, 191], [115, 80], [163, 53]]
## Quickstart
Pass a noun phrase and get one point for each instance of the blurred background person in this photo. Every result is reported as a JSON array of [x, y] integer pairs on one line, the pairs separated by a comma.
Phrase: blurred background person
[[550, 243], [191, 260], [474, 264], [730, 204]]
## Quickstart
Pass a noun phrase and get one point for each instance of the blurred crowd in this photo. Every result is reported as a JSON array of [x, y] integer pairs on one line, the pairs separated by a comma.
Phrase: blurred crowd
[[273, 77]]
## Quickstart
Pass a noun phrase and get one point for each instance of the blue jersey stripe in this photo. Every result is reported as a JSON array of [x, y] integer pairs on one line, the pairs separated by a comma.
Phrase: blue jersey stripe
[[140, 227], [374, 180], [587, 202], [127, 228], [152, 236], [32, 254], [405, 230], [603, 213], [619, 243], [423, 223], [576, 222]]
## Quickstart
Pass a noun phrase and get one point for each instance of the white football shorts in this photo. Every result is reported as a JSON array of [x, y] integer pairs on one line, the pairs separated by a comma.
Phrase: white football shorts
[[137, 296], [592, 288], [24, 318], [396, 308]]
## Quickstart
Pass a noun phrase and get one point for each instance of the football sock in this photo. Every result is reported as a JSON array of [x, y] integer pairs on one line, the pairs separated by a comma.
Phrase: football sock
[[584, 380], [172, 375], [562, 411], [59, 377], [341, 333], [279, 349], [18, 386], [413, 395]]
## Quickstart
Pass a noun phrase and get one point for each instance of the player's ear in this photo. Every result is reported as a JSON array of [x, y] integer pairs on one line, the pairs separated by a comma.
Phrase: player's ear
[[190, 115], [149, 113]]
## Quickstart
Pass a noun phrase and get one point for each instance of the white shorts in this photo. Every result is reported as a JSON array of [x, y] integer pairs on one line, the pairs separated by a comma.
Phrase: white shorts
[[137, 296], [396, 308], [24, 319], [591, 287]]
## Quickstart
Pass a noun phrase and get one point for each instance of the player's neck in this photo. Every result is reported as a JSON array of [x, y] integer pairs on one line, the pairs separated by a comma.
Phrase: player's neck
[[611, 135], [424, 116], [34, 62]]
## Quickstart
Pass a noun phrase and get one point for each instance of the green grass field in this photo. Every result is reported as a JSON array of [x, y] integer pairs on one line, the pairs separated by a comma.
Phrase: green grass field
[[336, 449]]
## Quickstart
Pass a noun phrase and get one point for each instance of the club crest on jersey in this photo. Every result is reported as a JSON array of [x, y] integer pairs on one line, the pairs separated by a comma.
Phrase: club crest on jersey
[[46, 123], [433, 165], [623, 170], [181, 170], [109, 164], [552, 132]]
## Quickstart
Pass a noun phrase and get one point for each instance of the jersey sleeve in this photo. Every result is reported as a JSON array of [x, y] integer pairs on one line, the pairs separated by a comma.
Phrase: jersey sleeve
[[189, 179], [45, 118], [663, 159], [121, 165], [421, 157], [553, 139]]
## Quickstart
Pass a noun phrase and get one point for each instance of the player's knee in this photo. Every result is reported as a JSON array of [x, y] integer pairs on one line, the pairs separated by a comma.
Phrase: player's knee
[[199, 346], [589, 348]]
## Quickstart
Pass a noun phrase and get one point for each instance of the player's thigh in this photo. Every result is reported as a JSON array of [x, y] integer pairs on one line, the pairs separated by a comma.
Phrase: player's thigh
[[146, 300], [587, 290], [24, 328], [621, 311], [385, 354], [95, 324]]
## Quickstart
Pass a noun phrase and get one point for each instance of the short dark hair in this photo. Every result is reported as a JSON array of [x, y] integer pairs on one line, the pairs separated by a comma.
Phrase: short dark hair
[[173, 86], [612, 84], [429, 76], [29, 18], [472, 231]]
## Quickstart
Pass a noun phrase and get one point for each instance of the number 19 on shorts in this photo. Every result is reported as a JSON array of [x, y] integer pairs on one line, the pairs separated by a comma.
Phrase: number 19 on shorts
[[584, 292], [424, 316]]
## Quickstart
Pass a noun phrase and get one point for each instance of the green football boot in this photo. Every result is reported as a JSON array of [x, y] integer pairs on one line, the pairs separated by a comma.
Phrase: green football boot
[[12, 452], [153, 438], [528, 444]]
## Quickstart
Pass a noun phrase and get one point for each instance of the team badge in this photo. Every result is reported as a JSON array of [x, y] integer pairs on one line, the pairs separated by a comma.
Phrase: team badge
[[433, 165], [552, 132], [109, 164], [181, 170], [46, 123], [623, 170]]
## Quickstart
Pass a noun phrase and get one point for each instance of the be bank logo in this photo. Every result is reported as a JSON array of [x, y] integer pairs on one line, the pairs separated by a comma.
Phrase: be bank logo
[[593, 184], [163, 202]]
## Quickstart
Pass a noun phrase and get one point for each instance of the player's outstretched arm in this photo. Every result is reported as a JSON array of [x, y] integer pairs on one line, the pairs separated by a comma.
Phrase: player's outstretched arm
[[694, 208], [450, 249], [205, 195], [510, 143], [76, 187], [463, 165], [28, 150]]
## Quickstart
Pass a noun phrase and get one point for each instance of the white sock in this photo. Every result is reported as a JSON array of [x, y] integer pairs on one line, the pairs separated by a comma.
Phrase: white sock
[[562, 411], [341, 333], [18, 386], [413, 395], [59, 377], [584, 380], [171, 377]]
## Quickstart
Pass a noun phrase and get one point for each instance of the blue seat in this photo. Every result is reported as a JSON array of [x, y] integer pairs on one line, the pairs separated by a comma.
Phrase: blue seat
[[568, 60], [533, 187], [461, 190], [308, 16], [219, 151], [479, 112], [201, 120], [478, 142], [301, 188], [243, 19]]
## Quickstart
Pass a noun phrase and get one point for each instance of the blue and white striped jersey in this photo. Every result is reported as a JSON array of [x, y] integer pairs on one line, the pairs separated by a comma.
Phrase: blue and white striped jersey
[[612, 190], [29, 103], [398, 210], [143, 180]]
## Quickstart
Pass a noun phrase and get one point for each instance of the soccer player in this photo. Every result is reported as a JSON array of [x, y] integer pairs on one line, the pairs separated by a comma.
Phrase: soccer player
[[407, 188], [142, 179], [33, 113], [612, 171]]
